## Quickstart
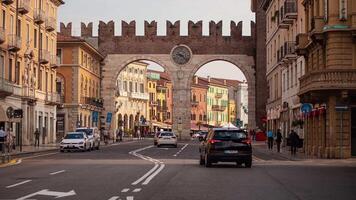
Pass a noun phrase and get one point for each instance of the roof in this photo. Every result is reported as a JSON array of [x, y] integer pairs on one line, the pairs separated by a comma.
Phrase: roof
[[202, 83], [229, 82], [68, 39]]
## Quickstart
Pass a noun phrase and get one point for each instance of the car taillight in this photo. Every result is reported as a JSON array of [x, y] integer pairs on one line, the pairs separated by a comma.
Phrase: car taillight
[[247, 141], [212, 141]]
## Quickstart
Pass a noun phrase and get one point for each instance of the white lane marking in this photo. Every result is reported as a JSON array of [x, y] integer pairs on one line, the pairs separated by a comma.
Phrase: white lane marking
[[146, 175], [17, 184], [47, 192], [58, 172], [125, 190], [180, 151], [137, 190], [130, 198], [147, 181], [114, 198]]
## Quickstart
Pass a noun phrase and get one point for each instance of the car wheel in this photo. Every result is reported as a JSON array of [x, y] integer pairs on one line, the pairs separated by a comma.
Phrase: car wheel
[[155, 143], [61, 151], [248, 164], [201, 160], [176, 146], [98, 147], [158, 145], [207, 161]]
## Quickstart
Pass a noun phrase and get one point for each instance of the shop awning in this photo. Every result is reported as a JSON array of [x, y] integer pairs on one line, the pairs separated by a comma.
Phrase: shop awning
[[194, 127], [161, 125]]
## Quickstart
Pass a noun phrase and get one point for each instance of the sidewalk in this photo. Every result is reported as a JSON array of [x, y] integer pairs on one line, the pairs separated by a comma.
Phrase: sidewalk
[[261, 146]]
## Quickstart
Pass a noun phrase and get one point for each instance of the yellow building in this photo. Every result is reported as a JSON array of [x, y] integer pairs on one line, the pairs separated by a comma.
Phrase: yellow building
[[152, 78], [232, 111], [78, 83], [217, 106], [28, 68]]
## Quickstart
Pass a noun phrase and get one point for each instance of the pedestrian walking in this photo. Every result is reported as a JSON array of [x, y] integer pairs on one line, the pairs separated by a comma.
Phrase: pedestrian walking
[[270, 139], [279, 140], [3, 136], [294, 141], [37, 137], [139, 134], [106, 137]]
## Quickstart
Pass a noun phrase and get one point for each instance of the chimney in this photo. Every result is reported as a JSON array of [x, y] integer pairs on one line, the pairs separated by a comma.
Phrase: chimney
[[209, 79], [224, 81], [196, 80]]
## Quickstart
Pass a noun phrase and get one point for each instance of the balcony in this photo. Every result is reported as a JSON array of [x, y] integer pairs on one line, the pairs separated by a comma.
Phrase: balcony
[[45, 56], [6, 88], [52, 99], [194, 103], [289, 52], [290, 10], [139, 96], [7, 2], [162, 108], [302, 43], [219, 95], [39, 16], [54, 61], [24, 7], [317, 26], [153, 103], [90, 101], [50, 24], [2, 35], [330, 79], [14, 42], [218, 108]]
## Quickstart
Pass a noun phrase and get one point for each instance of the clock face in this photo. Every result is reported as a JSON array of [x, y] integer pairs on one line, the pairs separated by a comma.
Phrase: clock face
[[181, 55]]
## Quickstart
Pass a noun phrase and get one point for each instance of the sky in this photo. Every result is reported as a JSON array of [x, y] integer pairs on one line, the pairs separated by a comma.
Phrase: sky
[[77, 11]]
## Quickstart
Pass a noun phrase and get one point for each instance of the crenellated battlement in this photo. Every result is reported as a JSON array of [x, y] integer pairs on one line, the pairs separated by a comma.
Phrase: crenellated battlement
[[150, 42]]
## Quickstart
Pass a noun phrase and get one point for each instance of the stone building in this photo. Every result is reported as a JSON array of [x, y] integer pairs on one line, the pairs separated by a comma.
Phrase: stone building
[[28, 69], [164, 101], [329, 83], [242, 103], [199, 90], [78, 83], [131, 97]]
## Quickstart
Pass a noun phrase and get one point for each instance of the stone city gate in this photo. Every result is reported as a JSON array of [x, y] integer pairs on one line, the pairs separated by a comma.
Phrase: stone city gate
[[127, 48]]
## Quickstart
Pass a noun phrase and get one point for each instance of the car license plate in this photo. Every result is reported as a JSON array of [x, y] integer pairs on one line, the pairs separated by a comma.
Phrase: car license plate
[[231, 151]]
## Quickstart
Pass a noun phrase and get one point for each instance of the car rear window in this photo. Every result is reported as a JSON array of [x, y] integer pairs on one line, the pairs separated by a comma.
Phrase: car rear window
[[74, 136], [229, 135], [166, 134]]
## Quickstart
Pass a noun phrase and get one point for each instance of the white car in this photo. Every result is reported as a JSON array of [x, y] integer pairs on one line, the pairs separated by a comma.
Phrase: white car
[[167, 138], [75, 141], [93, 135]]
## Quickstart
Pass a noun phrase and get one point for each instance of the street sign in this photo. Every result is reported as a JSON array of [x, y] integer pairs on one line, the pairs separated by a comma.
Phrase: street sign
[[108, 117], [306, 108], [95, 116]]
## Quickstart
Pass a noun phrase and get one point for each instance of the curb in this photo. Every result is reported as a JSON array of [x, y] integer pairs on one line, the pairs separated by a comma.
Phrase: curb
[[11, 163]]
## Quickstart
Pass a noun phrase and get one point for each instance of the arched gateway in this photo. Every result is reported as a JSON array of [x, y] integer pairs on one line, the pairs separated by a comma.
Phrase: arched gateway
[[127, 48]]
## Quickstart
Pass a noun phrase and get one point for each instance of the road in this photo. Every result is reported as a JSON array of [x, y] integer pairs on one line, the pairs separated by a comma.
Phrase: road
[[137, 170]]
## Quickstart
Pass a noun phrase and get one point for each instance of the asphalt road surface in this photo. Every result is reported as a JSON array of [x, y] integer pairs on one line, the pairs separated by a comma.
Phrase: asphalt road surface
[[137, 170]]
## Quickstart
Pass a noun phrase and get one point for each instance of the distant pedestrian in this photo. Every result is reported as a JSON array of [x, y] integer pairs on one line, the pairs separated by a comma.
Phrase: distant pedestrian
[[120, 135], [270, 139], [294, 142], [139, 134], [253, 134], [3, 136], [37, 137], [278, 140]]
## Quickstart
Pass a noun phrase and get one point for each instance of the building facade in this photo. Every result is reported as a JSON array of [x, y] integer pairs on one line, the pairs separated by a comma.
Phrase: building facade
[[152, 78], [199, 103], [132, 98], [28, 64], [242, 103], [78, 83], [328, 87], [217, 102]]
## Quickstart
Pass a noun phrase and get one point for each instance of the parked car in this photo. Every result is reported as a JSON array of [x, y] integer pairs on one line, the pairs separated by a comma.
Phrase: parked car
[[93, 135], [167, 138], [226, 145], [75, 141]]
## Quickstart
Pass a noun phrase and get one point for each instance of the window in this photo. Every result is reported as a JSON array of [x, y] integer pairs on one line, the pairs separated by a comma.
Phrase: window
[[149, 85], [39, 79], [130, 87], [125, 86], [142, 89], [28, 33], [18, 31], [296, 74], [292, 77], [35, 38], [3, 18], [82, 58], [17, 73], [59, 56], [10, 70], [51, 84], [136, 87]]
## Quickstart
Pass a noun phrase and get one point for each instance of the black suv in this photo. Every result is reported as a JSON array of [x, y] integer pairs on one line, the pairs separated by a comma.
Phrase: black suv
[[226, 145]]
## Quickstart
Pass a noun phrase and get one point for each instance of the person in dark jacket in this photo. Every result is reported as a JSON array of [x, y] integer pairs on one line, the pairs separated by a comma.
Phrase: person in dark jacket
[[279, 140], [294, 141]]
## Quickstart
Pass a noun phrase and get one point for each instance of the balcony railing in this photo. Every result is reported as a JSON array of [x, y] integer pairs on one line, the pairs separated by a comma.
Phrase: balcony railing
[[195, 103], [2, 35], [317, 26], [92, 101], [289, 51], [28, 93], [336, 79], [14, 42], [24, 6], [153, 103], [54, 61], [141, 96], [52, 98], [6, 88], [50, 24], [39, 16], [45, 56], [7, 2], [290, 9], [218, 95], [302, 42], [218, 108]]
